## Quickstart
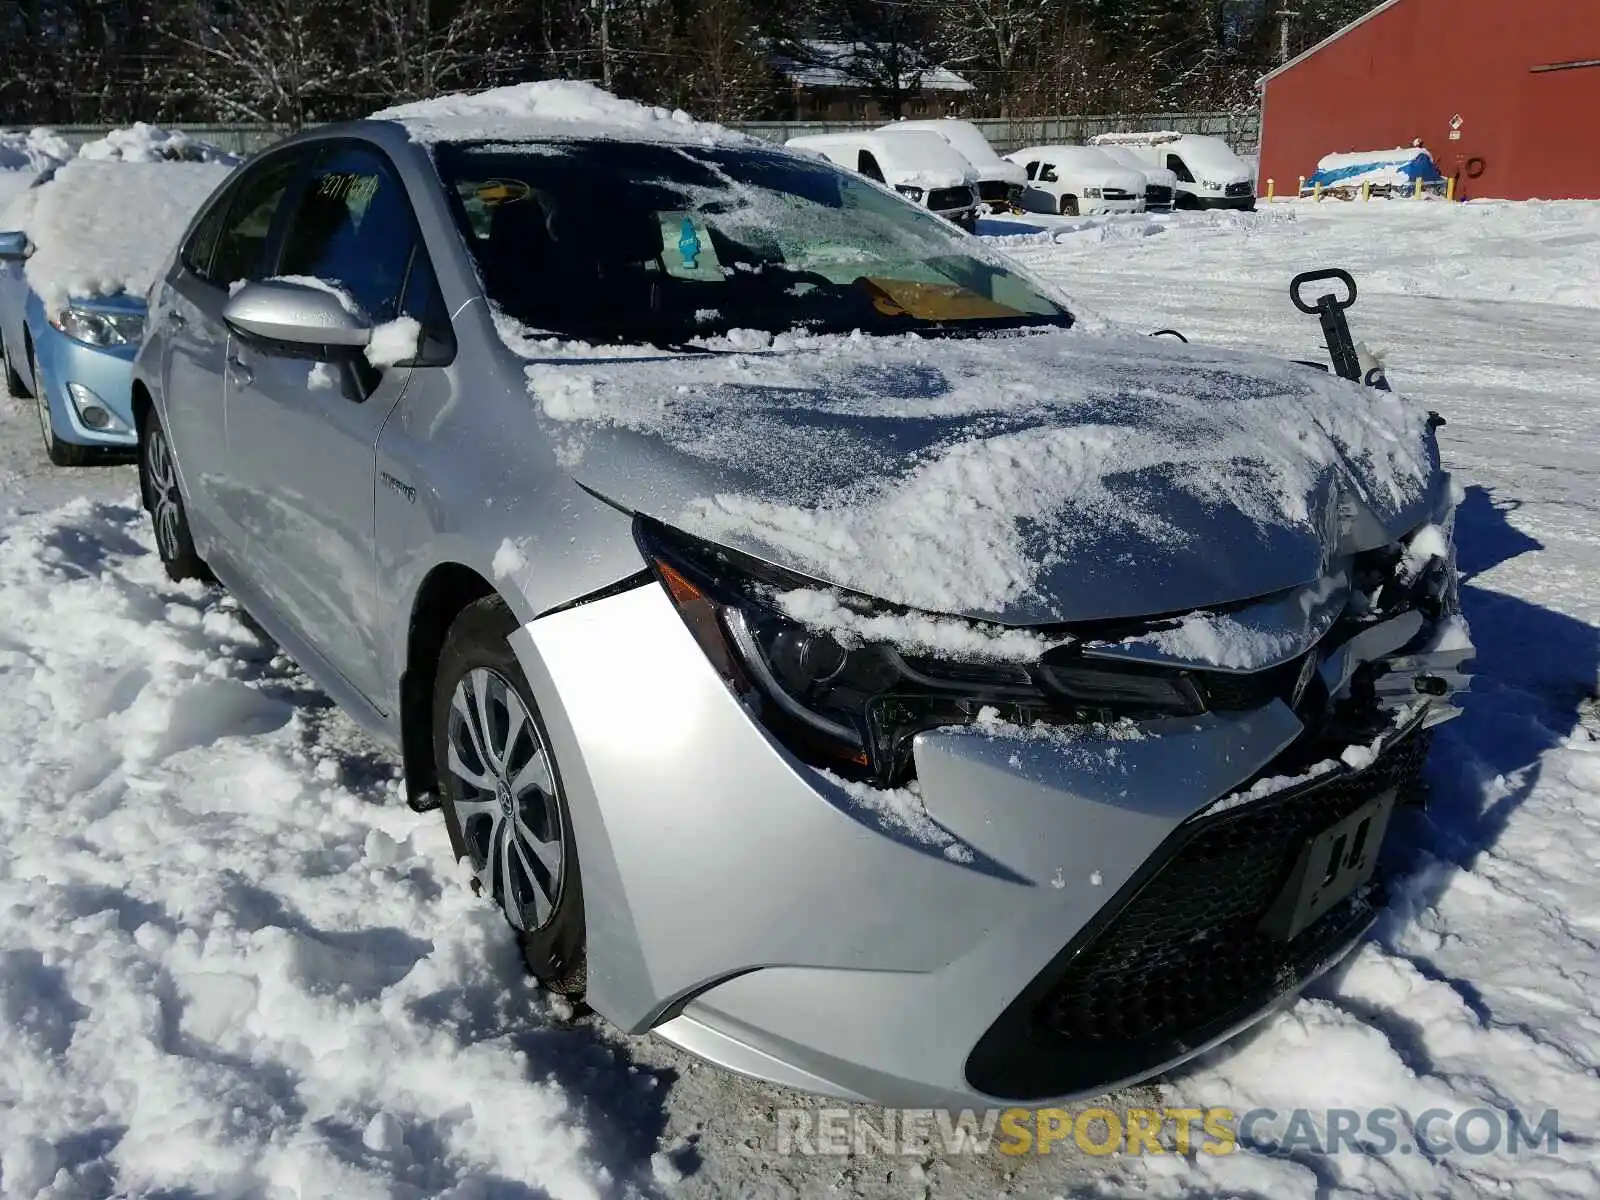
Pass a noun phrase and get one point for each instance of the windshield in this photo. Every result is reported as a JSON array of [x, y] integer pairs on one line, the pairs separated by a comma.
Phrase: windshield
[[620, 241]]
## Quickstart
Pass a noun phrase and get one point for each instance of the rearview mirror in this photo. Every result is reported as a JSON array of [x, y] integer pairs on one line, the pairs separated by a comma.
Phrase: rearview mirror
[[278, 311], [13, 246]]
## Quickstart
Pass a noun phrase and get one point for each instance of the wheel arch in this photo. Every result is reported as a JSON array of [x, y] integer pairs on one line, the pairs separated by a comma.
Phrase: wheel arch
[[445, 591]]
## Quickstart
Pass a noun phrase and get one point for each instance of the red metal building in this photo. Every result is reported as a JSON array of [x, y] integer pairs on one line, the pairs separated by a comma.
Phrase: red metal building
[[1504, 93]]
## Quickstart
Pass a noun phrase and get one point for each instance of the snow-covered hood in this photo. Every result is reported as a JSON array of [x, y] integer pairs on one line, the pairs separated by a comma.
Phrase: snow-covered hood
[[1002, 170], [1043, 477]]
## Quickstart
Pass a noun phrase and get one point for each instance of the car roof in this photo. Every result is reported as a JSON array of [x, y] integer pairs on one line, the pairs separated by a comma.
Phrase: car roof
[[1088, 153]]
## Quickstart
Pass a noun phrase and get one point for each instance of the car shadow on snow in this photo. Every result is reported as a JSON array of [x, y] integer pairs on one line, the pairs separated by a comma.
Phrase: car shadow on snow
[[1533, 680]]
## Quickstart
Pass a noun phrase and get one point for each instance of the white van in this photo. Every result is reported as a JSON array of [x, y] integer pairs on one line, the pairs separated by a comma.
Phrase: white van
[[1073, 180], [1160, 184], [921, 166], [1210, 174], [1000, 183]]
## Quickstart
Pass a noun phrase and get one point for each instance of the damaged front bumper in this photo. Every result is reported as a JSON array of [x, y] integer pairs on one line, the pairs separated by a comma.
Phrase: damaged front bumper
[[1048, 911]]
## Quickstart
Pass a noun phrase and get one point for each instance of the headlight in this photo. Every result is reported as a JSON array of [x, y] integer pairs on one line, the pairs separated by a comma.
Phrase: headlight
[[1091, 193], [854, 705], [1212, 187], [909, 192], [95, 328]]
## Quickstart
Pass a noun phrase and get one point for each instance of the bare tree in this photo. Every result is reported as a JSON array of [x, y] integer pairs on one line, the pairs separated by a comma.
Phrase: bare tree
[[994, 41], [275, 62], [421, 48], [723, 73]]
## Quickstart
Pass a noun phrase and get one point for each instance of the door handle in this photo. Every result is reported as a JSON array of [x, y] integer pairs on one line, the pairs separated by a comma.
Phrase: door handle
[[240, 372]]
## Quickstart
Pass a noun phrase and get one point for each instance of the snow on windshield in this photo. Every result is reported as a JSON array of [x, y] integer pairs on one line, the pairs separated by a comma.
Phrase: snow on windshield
[[555, 107], [1024, 451], [99, 228]]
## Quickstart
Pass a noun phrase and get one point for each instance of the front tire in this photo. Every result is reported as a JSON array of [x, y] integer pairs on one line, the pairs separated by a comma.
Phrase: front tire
[[60, 453], [1069, 206], [15, 387], [503, 800], [158, 483]]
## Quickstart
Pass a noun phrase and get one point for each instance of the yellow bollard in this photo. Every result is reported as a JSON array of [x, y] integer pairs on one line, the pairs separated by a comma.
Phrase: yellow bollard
[[1272, 189], [1450, 189], [1417, 195], [1316, 192], [1366, 191]]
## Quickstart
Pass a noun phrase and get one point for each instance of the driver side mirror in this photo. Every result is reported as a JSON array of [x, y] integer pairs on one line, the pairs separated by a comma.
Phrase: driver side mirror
[[296, 314], [13, 246]]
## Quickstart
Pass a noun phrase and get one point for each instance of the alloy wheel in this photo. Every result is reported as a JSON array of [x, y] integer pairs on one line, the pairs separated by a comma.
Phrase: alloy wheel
[[508, 811], [164, 499]]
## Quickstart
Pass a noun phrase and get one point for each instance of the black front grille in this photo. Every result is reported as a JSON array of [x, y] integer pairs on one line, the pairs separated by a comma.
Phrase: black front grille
[[946, 199], [1186, 949], [993, 191], [1228, 692], [1177, 959], [1239, 189], [1156, 196], [1116, 194]]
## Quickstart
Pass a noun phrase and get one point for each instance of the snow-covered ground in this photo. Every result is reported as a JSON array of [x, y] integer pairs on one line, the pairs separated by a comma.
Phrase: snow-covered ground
[[233, 963]]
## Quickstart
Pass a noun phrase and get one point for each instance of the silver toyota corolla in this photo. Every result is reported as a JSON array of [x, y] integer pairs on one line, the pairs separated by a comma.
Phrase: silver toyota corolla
[[832, 655]]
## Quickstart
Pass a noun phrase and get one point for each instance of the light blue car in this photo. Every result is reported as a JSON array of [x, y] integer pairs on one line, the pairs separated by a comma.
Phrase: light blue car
[[78, 366], [73, 355]]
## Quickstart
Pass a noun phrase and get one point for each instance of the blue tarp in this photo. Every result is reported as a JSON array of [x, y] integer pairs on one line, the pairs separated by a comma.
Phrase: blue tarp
[[1394, 167]]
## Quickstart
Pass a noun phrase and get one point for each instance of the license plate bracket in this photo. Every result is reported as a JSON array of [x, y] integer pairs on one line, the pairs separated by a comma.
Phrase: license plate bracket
[[1331, 865]]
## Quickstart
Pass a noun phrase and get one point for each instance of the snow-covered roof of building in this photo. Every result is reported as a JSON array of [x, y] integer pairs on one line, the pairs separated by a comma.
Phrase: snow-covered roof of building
[[823, 64], [552, 108]]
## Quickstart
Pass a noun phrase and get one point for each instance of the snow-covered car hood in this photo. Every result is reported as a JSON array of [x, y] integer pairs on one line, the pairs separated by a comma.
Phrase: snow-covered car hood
[[1029, 478]]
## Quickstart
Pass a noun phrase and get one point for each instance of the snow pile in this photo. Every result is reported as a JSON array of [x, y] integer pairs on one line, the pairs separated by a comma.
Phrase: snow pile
[[233, 961], [144, 143], [34, 151], [551, 108], [1396, 169], [394, 342], [100, 228]]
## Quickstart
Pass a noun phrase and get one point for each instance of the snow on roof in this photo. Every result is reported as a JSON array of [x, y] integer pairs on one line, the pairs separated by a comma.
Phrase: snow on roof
[[1154, 137], [966, 137], [906, 156], [141, 142], [34, 151], [922, 152], [823, 64], [100, 228], [555, 107]]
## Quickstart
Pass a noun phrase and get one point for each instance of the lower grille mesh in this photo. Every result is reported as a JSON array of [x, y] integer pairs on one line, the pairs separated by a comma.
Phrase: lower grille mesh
[[1185, 950]]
